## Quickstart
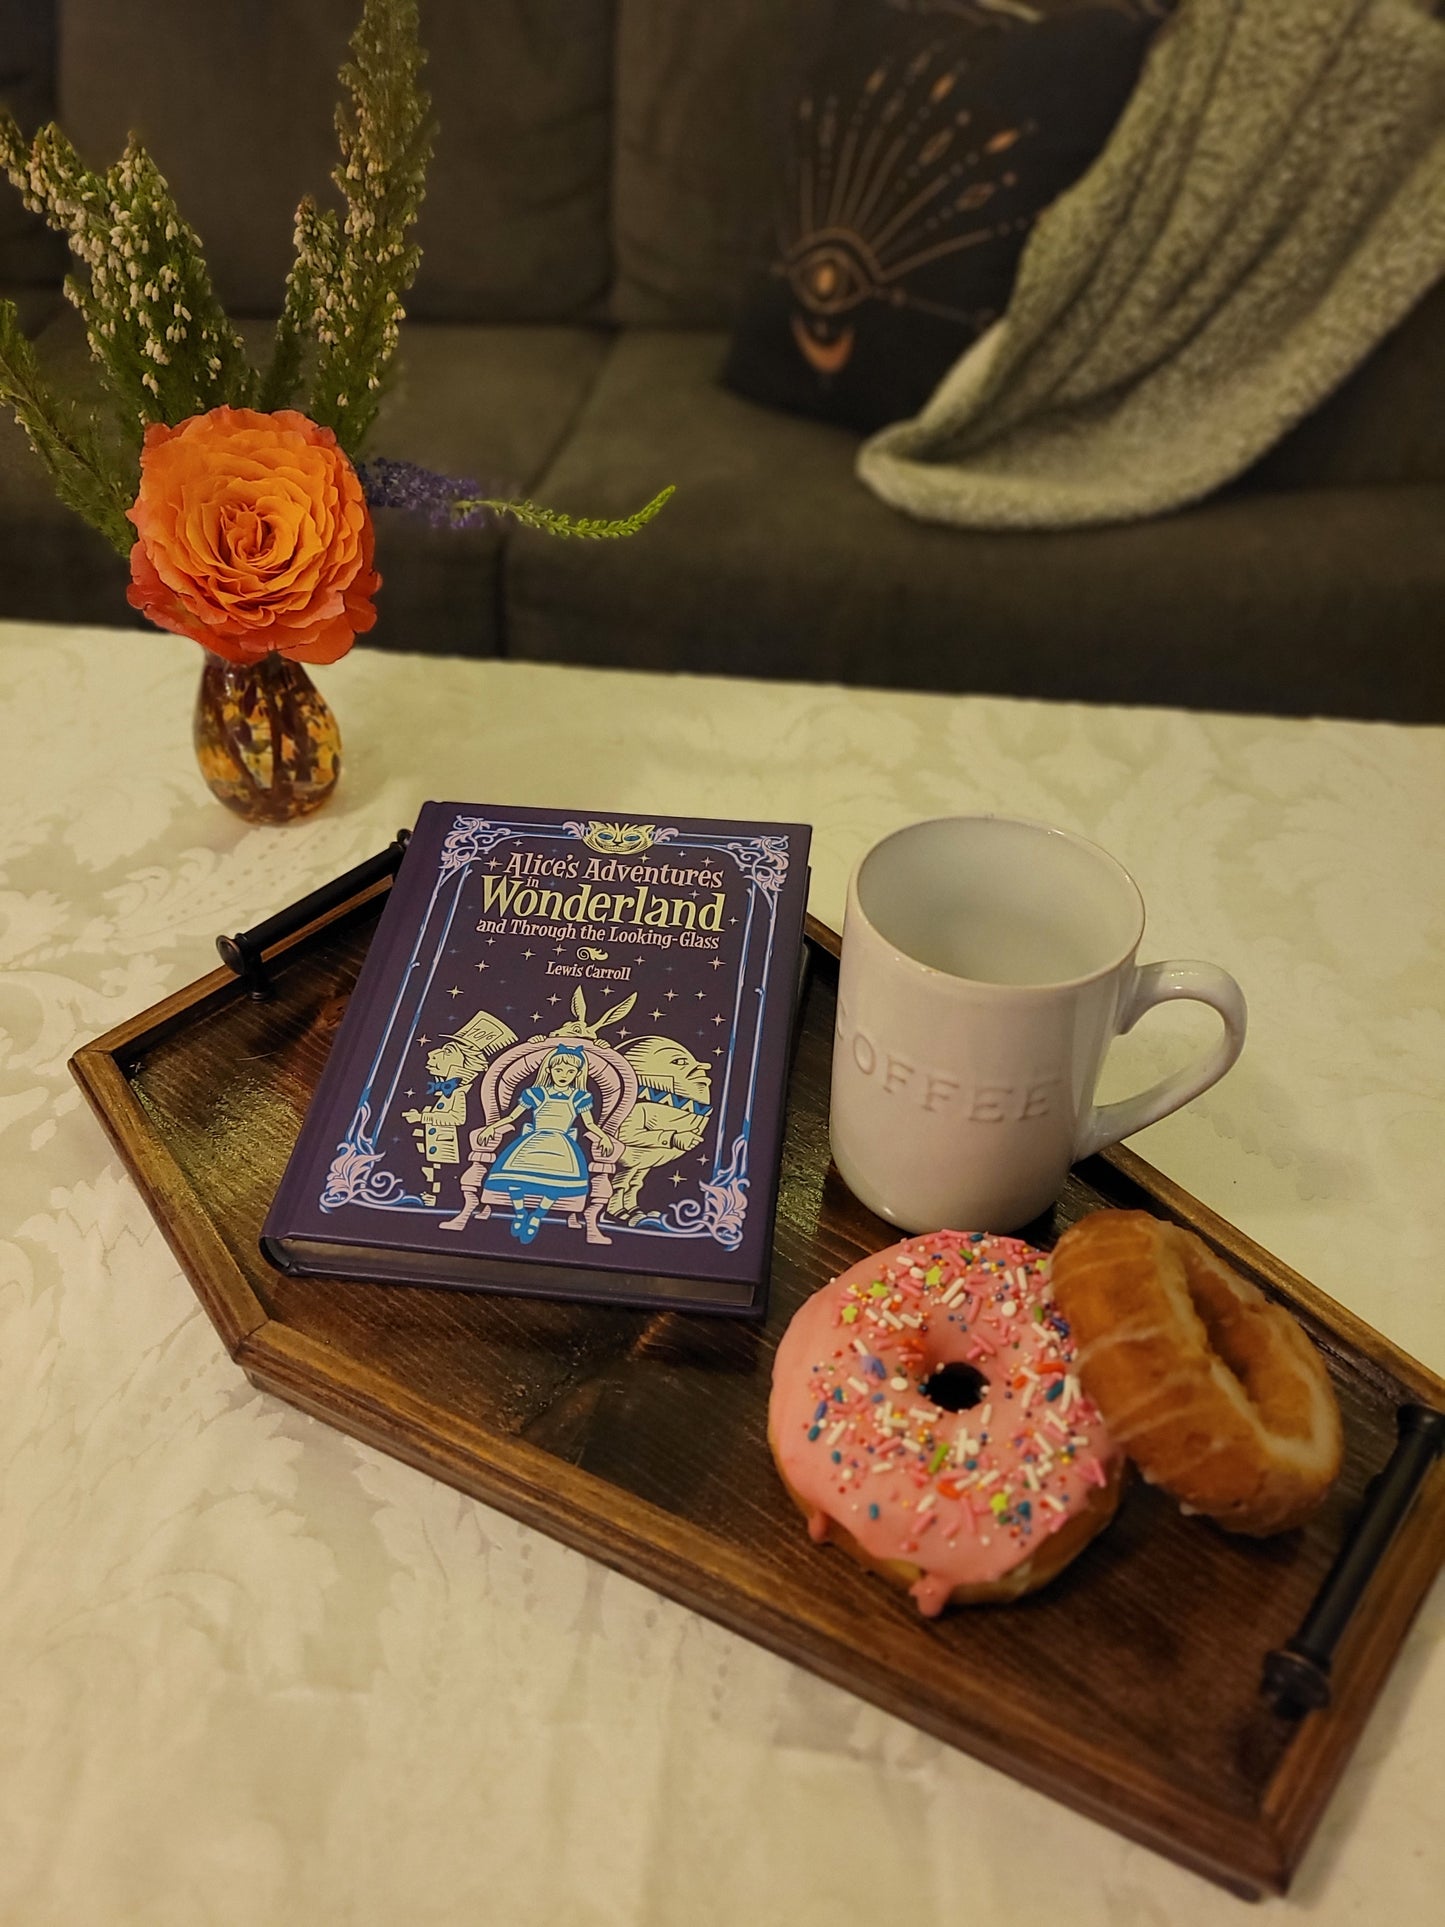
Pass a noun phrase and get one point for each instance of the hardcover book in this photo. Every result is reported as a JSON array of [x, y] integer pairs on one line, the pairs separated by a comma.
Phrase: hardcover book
[[562, 1070]]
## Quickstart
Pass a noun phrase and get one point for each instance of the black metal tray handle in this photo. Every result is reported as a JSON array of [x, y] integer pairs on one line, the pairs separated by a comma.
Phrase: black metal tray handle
[[243, 953], [1297, 1674]]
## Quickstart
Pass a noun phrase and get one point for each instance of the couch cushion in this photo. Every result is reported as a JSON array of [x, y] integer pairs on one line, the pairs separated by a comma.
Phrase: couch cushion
[[236, 102], [494, 404], [486, 402], [1385, 424], [703, 94], [772, 560], [29, 252]]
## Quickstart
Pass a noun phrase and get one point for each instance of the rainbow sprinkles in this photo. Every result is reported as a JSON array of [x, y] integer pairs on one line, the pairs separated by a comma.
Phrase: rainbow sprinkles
[[927, 1402]]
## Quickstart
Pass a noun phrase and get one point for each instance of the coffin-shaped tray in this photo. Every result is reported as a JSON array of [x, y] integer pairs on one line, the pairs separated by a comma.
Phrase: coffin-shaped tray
[[1130, 1688]]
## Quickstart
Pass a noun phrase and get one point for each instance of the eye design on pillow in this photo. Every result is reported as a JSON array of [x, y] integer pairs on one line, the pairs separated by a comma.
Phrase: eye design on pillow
[[881, 189], [832, 274], [835, 273]]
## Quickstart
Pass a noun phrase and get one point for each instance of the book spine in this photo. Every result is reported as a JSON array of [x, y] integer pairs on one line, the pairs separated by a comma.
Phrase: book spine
[[302, 1178]]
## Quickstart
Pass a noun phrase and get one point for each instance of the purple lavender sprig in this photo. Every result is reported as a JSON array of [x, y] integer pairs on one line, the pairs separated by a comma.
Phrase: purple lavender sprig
[[390, 484]]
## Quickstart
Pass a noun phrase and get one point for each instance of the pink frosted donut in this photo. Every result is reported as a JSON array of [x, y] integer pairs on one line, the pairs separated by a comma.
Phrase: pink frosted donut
[[984, 1502]]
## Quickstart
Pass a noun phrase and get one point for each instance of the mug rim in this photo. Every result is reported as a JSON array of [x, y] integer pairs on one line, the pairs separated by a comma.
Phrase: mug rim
[[932, 971]]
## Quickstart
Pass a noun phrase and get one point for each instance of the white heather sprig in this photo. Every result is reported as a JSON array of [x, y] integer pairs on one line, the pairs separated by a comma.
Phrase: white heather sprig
[[355, 270], [153, 323]]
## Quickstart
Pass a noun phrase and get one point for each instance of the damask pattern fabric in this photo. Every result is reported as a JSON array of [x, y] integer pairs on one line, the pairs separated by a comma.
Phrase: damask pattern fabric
[[254, 1672]]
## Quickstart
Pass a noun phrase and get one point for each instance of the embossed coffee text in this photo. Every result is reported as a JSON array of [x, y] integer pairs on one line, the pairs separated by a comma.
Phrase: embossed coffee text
[[937, 1090]]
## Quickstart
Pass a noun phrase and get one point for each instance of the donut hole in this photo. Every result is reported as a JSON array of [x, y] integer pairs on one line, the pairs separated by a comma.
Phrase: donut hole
[[955, 1388]]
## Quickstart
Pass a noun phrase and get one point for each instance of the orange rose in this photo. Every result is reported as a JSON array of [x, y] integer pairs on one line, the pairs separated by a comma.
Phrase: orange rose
[[254, 535]]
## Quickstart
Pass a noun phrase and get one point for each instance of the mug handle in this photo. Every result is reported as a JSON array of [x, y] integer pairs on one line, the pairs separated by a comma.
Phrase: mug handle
[[1161, 983]]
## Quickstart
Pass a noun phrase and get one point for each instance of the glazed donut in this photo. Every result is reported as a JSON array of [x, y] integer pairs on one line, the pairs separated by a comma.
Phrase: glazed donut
[[927, 1417], [1215, 1393]]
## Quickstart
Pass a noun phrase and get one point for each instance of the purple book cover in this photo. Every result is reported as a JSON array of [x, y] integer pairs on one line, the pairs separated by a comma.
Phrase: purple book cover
[[562, 1070]]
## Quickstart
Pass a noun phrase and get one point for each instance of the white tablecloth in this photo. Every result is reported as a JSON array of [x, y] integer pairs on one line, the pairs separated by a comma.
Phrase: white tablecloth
[[251, 1672]]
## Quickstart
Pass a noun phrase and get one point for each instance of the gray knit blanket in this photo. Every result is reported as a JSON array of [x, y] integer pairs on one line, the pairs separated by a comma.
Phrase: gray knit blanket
[[1270, 205]]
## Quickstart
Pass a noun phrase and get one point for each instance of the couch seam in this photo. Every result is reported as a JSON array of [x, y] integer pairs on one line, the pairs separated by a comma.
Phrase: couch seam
[[535, 479]]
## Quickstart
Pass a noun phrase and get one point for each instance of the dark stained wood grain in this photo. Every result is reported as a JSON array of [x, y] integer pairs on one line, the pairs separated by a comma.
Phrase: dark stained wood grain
[[1129, 1688]]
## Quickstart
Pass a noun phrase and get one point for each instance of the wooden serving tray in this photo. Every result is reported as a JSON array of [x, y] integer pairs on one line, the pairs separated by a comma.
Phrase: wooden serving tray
[[1130, 1688]]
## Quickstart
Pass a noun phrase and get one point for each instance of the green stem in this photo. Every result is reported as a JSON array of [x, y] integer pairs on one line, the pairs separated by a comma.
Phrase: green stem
[[554, 522]]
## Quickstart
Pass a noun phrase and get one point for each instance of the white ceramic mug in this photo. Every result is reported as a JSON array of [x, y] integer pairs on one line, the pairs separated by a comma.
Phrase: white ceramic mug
[[987, 966]]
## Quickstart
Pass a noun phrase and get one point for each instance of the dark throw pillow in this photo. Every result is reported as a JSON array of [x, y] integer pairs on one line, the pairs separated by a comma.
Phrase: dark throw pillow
[[932, 135]]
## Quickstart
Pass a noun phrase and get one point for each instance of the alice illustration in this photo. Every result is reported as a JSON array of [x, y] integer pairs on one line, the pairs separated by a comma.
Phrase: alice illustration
[[545, 1166]]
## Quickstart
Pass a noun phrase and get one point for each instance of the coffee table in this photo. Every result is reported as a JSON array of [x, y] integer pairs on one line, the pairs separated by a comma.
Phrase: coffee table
[[252, 1670]]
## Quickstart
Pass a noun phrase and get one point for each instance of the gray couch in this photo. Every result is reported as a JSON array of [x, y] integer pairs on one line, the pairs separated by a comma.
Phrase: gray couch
[[603, 179]]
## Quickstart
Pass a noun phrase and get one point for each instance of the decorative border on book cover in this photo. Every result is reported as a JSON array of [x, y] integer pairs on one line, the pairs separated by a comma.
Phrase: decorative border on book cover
[[684, 1105]]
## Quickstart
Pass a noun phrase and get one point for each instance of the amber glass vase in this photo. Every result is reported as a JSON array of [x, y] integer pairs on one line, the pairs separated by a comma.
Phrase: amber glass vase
[[266, 742]]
